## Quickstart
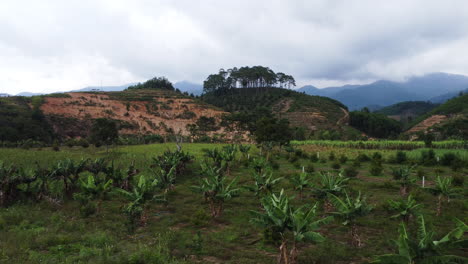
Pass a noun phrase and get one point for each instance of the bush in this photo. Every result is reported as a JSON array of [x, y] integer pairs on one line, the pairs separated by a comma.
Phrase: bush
[[458, 180], [313, 157], [309, 168], [331, 157], [362, 157], [356, 164], [400, 157], [428, 158], [377, 156], [343, 159], [457, 164], [350, 172], [336, 166], [376, 168], [448, 158]]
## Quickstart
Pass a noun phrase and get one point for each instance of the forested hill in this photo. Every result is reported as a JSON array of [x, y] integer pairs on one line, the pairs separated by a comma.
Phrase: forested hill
[[312, 112], [413, 108]]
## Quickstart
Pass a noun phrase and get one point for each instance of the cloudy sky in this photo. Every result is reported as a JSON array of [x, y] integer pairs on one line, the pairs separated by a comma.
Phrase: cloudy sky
[[56, 45]]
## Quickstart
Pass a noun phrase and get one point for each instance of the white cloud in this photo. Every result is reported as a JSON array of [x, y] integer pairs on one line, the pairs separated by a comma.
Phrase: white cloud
[[54, 45]]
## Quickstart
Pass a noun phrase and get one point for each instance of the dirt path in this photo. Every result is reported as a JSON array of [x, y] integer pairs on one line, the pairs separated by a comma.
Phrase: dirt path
[[344, 118]]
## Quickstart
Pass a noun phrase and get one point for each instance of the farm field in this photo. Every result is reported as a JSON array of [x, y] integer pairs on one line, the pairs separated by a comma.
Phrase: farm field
[[59, 229]]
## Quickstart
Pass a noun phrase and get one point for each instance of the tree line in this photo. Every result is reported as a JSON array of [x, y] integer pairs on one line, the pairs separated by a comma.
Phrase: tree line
[[247, 77]]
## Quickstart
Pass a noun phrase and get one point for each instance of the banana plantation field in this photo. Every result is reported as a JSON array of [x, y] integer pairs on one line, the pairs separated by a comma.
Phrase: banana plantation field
[[219, 203]]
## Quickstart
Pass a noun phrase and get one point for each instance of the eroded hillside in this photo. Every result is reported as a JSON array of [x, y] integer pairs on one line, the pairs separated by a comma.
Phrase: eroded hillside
[[137, 112]]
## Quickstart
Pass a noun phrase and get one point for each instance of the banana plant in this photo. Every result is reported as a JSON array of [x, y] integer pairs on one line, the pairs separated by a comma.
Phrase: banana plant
[[443, 188], [143, 192], [329, 183], [260, 165], [216, 189], [424, 248], [68, 171], [166, 179], [228, 154], [405, 209], [244, 149], [296, 225], [263, 183], [403, 176], [301, 182], [11, 178], [215, 156], [91, 189], [350, 210]]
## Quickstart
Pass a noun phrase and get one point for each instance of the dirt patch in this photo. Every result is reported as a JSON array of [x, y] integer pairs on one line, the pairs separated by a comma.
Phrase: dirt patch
[[161, 115], [427, 123]]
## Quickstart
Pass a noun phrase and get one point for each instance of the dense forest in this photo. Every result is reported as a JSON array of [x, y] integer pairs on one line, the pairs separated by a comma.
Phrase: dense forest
[[413, 108], [375, 125], [247, 77]]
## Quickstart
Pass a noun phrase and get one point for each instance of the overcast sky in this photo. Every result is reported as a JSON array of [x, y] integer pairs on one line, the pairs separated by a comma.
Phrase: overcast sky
[[56, 45]]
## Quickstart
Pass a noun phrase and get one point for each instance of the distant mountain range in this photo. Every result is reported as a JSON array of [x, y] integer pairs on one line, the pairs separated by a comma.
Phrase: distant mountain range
[[435, 87], [184, 86]]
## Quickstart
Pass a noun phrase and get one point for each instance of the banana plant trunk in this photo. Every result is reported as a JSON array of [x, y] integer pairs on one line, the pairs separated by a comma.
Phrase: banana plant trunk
[[439, 205], [355, 239]]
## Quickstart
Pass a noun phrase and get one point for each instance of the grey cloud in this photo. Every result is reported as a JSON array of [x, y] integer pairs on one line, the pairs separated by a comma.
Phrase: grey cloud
[[60, 45]]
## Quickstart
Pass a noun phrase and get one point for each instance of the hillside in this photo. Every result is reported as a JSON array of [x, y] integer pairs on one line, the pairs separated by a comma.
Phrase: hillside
[[449, 119], [310, 112], [137, 112], [407, 111]]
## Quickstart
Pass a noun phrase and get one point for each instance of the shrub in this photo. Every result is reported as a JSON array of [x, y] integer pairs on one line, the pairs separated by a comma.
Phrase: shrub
[[343, 159], [336, 166], [376, 168], [313, 157], [448, 158], [362, 157], [377, 156], [400, 157], [428, 158], [356, 163], [331, 157], [309, 168], [350, 172], [458, 180], [457, 164]]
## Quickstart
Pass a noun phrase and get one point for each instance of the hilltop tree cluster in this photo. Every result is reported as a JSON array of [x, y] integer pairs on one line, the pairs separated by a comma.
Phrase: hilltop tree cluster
[[154, 83], [247, 77]]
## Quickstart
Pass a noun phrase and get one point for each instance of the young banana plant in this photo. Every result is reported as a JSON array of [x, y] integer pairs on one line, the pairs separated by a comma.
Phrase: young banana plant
[[405, 209], [349, 210], [93, 189], [143, 192], [443, 189], [403, 176], [329, 183], [424, 248], [296, 225], [301, 182], [216, 189], [263, 183]]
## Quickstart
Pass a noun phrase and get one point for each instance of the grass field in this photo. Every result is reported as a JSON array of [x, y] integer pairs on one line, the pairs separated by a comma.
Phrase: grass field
[[183, 232]]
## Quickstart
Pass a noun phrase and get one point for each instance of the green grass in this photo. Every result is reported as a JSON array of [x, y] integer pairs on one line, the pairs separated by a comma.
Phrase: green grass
[[40, 232]]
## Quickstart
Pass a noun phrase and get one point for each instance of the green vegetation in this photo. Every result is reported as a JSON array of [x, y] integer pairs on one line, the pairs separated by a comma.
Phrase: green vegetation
[[256, 77], [22, 119], [155, 83], [410, 108], [136, 204], [375, 125]]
